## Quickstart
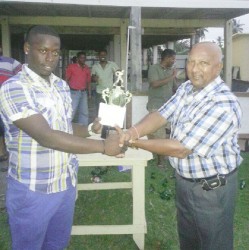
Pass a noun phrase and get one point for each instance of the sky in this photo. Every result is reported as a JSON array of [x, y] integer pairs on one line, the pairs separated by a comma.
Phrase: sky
[[213, 33]]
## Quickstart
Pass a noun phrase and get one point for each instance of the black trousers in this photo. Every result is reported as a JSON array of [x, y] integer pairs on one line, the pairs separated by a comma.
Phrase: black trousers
[[205, 218]]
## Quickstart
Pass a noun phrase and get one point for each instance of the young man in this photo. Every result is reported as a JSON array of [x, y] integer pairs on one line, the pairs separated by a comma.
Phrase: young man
[[78, 77], [162, 85], [205, 118], [42, 142]]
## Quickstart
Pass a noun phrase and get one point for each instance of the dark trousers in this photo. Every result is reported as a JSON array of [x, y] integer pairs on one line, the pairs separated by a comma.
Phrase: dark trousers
[[205, 218], [98, 100]]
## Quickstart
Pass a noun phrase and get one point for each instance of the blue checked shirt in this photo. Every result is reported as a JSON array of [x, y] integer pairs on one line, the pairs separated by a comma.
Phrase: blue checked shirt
[[207, 122], [41, 169]]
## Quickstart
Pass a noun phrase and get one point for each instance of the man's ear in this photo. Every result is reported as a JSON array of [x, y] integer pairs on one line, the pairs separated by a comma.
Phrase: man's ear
[[26, 48], [219, 68]]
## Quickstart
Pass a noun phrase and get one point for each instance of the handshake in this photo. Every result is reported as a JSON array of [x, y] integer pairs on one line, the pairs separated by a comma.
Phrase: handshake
[[117, 141]]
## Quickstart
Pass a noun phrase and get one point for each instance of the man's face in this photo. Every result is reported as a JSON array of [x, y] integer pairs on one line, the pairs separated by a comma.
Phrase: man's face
[[102, 57], [43, 54], [203, 66], [169, 61], [82, 59]]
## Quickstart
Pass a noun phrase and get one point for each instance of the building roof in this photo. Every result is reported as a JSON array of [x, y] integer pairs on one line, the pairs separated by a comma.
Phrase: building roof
[[162, 20], [156, 9]]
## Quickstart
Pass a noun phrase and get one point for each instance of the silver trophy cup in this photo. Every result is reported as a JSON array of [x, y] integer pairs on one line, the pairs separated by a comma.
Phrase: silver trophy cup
[[112, 111]]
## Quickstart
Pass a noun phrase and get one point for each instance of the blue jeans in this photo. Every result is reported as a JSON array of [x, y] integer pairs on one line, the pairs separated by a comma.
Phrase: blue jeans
[[39, 221], [80, 106]]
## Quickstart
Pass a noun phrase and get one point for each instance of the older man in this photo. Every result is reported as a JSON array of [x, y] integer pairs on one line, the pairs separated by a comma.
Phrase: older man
[[205, 118]]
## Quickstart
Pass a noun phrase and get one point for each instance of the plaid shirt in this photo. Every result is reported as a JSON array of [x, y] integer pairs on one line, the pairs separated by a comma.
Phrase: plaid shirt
[[41, 169], [206, 122]]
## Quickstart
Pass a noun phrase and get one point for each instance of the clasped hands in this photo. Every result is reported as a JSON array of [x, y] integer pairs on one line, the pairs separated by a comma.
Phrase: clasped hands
[[117, 142]]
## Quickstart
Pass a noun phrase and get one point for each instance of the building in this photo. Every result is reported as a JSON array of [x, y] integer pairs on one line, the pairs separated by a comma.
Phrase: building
[[120, 26]]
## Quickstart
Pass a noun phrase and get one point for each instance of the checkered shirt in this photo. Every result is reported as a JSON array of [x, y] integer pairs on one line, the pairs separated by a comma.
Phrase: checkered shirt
[[207, 122], [41, 169]]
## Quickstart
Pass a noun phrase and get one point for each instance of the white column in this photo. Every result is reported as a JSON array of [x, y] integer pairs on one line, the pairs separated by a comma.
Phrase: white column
[[228, 53], [123, 42], [136, 48], [6, 43], [117, 49], [155, 54], [110, 51], [145, 59], [170, 45]]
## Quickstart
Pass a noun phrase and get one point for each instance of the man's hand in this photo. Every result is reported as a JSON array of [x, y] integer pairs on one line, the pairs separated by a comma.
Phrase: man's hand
[[95, 78], [112, 145], [174, 73], [126, 137], [96, 127]]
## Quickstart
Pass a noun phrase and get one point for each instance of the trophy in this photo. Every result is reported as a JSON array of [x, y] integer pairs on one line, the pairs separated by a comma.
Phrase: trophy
[[112, 111]]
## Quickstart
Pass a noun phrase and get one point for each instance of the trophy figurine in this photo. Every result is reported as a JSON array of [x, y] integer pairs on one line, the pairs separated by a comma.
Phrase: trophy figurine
[[112, 111]]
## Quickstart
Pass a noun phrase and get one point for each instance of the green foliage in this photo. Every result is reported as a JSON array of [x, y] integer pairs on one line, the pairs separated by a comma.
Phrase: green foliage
[[182, 47], [115, 207], [237, 26]]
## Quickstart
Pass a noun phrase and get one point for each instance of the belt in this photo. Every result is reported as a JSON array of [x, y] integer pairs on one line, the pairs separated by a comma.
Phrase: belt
[[208, 178], [82, 90]]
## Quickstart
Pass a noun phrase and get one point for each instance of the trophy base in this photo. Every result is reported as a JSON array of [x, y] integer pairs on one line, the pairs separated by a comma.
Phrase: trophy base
[[111, 115], [106, 131]]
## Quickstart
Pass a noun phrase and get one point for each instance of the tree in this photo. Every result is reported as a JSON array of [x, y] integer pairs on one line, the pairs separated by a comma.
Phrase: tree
[[220, 42], [182, 46], [200, 34], [237, 26]]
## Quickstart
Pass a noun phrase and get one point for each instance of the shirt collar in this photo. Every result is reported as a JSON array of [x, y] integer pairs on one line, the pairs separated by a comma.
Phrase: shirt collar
[[37, 80]]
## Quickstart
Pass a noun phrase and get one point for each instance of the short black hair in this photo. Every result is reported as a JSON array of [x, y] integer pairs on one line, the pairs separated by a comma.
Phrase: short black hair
[[167, 53], [40, 29], [81, 53], [103, 50]]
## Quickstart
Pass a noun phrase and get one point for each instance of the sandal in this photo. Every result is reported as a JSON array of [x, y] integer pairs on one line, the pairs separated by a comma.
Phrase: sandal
[[4, 157]]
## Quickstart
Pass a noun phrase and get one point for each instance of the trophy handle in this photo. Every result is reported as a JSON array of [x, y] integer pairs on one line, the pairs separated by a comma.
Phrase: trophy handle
[[105, 95], [128, 97]]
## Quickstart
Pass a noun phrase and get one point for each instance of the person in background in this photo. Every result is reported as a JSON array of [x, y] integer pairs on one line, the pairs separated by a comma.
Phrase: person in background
[[74, 59], [103, 74], [8, 68], [42, 141], [78, 77], [205, 119], [162, 85]]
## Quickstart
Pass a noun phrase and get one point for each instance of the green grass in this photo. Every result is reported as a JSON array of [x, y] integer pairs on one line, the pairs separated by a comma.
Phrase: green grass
[[114, 207]]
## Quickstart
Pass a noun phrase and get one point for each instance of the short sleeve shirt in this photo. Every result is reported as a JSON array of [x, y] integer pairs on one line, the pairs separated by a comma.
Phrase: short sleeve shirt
[[78, 78], [105, 75], [158, 96], [207, 123], [41, 169]]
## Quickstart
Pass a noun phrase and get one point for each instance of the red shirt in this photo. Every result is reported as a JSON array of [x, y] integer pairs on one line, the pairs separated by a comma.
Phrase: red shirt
[[77, 77]]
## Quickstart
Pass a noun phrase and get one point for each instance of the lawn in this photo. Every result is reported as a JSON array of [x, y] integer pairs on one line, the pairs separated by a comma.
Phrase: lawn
[[114, 207]]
